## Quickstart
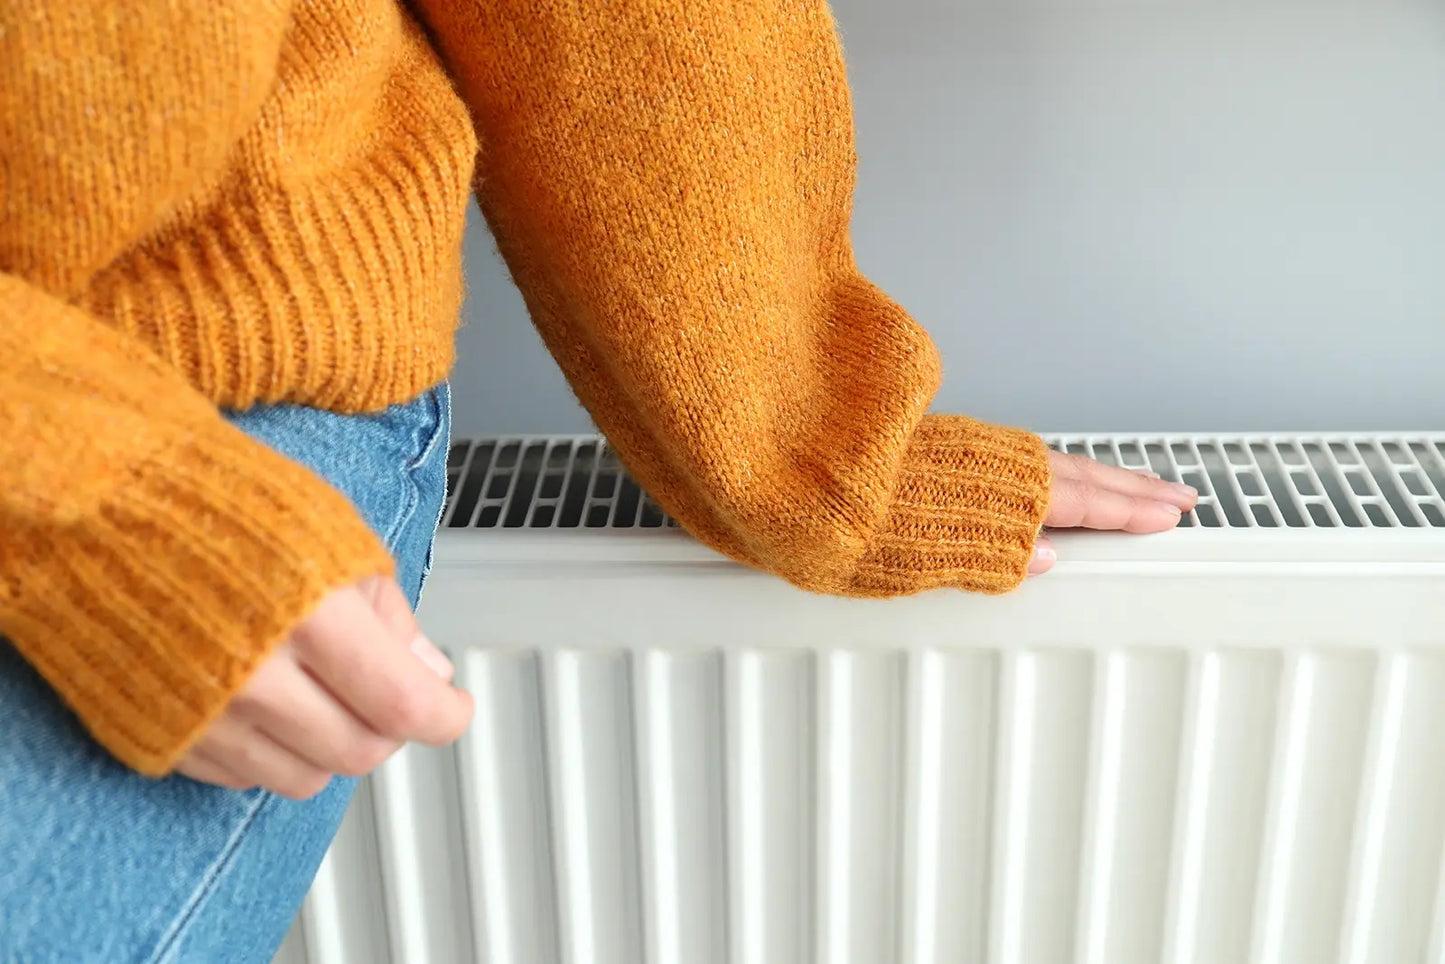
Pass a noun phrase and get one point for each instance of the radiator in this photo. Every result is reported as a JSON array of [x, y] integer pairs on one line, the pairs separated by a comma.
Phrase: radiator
[[1219, 745]]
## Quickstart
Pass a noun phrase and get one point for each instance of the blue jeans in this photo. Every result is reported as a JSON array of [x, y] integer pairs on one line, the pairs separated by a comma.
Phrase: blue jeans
[[98, 864]]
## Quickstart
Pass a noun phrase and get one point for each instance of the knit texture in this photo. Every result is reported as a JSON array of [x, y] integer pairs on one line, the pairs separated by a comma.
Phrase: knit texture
[[222, 204]]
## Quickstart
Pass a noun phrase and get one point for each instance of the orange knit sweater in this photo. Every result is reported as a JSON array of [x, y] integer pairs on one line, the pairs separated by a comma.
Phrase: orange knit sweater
[[229, 203]]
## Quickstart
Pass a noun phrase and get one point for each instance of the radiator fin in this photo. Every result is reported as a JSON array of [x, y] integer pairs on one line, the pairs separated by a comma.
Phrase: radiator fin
[[922, 805]]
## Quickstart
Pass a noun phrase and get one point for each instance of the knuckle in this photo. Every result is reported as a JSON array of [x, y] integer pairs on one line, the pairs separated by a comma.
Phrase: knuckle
[[460, 722], [352, 762], [316, 783], [1146, 516], [247, 707], [453, 730], [1068, 501], [1139, 507], [361, 757], [247, 756], [304, 786], [404, 711], [1076, 491], [1123, 512], [308, 641], [449, 730]]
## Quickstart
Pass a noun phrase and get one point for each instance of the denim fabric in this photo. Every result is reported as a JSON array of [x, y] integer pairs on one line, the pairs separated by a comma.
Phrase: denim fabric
[[98, 864]]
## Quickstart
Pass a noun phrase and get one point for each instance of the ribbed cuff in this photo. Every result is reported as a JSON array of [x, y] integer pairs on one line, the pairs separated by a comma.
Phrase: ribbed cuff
[[149, 615], [969, 504]]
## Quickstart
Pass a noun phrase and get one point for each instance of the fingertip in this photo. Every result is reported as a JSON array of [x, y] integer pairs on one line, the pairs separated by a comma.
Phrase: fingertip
[[468, 704], [1043, 559], [458, 719], [434, 659], [1184, 496], [1159, 517], [1161, 490]]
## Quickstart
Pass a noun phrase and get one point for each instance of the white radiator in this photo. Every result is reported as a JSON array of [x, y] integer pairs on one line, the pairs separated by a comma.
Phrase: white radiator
[[1220, 745]]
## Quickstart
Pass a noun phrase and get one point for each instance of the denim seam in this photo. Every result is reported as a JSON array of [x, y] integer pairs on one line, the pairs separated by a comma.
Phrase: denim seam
[[444, 430], [408, 509], [436, 432], [413, 498], [171, 939]]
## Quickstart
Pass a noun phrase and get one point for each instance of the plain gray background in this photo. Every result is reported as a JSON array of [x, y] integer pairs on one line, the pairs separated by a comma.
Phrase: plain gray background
[[1164, 215]]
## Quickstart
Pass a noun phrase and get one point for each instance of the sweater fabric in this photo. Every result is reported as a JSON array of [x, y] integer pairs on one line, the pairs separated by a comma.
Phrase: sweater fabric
[[226, 204]]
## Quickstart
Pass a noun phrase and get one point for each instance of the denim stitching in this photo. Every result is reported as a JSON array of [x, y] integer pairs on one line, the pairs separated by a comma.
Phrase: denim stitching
[[444, 430], [436, 431], [413, 497], [414, 494], [171, 940]]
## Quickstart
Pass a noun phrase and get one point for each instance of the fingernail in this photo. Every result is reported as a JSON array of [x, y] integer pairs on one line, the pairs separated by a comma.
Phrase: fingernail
[[1173, 510], [1044, 557], [435, 659], [1188, 491], [1150, 475]]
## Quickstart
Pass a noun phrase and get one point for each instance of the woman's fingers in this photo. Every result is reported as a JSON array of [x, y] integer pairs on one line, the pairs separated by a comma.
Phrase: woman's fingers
[[1076, 504], [393, 686], [354, 681], [291, 707], [1140, 485], [254, 759], [1090, 495], [199, 767], [392, 608]]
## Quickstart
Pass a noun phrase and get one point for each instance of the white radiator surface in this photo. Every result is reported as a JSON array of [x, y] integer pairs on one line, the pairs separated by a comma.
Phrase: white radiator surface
[[1224, 744]]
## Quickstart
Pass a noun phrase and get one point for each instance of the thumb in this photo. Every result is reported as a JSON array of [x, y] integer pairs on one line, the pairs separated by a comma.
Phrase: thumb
[[394, 611], [1044, 557]]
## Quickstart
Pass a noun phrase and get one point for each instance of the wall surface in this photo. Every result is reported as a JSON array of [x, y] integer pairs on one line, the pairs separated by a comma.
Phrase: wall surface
[[1175, 214]]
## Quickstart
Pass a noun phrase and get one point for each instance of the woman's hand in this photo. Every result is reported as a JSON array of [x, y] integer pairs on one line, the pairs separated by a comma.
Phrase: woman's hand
[[352, 683], [1090, 495]]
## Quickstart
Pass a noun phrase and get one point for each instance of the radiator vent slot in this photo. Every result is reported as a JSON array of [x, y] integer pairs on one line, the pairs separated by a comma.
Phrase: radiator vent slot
[[544, 483], [1254, 481]]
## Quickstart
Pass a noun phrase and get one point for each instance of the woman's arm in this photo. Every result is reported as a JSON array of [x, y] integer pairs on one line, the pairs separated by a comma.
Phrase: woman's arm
[[151, 555], [671, 185]]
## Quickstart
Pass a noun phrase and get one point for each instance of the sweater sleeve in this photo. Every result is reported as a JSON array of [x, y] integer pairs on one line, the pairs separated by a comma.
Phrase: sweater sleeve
[[671, 186], [150, 553]]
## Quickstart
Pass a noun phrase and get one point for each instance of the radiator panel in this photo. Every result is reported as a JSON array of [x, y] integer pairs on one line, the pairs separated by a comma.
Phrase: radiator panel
[[1226, 743], [917, 805]]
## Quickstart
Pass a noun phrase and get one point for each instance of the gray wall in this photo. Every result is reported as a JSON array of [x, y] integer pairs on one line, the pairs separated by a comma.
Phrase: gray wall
[[1179, 214]]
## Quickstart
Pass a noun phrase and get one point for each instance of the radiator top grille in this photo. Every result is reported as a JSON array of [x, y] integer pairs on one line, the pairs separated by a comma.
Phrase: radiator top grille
[[1252, 481]]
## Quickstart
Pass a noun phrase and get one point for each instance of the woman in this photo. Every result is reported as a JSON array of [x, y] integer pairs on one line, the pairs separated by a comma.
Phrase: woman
[[229, 278]]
